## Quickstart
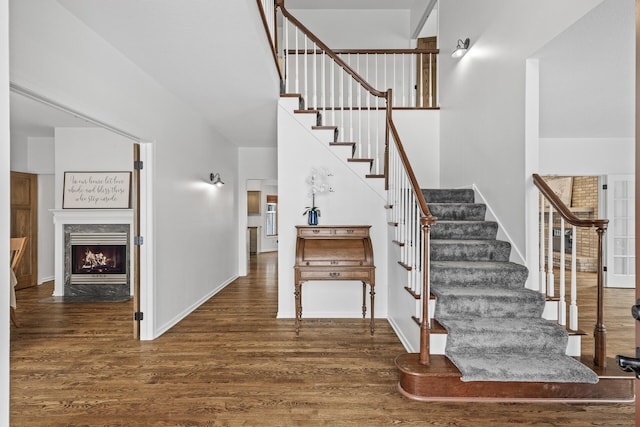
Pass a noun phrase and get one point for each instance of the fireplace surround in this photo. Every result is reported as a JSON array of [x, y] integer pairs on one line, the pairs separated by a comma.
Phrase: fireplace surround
[[93, 253]]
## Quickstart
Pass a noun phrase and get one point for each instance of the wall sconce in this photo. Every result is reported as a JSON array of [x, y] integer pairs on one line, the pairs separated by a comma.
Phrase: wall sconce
[[215, 179], [461, 48]]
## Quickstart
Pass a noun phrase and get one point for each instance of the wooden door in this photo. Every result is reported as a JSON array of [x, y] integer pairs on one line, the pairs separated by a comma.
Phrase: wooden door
[[24, 223], [426, 80]]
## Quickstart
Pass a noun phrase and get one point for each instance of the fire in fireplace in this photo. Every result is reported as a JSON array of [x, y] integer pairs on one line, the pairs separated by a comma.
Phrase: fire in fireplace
[[98, 258]]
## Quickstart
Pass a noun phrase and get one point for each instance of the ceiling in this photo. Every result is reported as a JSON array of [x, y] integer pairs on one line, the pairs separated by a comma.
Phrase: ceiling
[[219, 59]]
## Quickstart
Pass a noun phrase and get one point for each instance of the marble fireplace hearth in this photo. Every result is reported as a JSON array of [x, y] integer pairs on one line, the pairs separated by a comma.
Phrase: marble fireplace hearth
[[100, 284]]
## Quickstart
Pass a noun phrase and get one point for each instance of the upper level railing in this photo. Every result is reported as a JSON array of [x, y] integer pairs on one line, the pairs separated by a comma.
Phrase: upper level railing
[[328, 83], [550, 203]]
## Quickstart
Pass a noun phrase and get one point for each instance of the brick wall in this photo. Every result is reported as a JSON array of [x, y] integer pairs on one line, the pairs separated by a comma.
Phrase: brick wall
[[584, 195]]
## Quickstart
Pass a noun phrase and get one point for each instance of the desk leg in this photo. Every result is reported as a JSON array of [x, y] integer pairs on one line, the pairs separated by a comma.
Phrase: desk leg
[[364, 300], [298, 295], [373, 293]]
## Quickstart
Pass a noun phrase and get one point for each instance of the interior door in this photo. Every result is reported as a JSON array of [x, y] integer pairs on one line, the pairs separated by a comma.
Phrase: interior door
[[24, 222], [426, 80], [136, 232], [621, 256]]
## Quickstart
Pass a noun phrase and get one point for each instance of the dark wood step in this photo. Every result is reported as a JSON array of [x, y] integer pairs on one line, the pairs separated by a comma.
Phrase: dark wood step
[[374, 175], [440, 381], [405, 266]]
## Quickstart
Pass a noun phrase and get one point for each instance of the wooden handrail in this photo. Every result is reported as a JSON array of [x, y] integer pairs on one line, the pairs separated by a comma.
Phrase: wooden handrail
[[368, 51], [424, 209], [329, 52], [599, 330], [271, 42], [564, 211]]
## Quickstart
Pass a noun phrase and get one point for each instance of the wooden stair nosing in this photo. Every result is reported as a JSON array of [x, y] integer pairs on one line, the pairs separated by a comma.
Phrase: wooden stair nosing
[[440, 381], [393, 224], [374, 175], [396, 242], [405, 266], [388, 206]]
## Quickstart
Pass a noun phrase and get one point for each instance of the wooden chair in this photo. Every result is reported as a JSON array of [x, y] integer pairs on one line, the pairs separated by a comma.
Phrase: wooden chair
[[17, 247]]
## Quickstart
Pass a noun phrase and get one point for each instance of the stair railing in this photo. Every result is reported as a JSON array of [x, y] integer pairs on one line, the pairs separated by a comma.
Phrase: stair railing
[[412, 220], [363, 114], [550, 203], [267, 11]]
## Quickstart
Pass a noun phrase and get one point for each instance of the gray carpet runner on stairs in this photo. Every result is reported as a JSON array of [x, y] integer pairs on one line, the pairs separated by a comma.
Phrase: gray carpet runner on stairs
[[495, 327]]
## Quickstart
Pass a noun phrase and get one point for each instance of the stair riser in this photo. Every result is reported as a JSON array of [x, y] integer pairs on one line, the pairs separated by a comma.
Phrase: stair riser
[[458, 211], [535, 342], [456, 307], [448, 196], [462, 230], [471, 276], [462, 251]]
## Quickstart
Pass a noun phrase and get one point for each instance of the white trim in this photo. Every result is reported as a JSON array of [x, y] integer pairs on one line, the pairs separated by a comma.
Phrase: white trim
[[403, 339]]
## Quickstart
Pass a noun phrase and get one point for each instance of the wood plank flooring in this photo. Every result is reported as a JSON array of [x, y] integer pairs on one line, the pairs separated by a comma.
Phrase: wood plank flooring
[[232, 363]]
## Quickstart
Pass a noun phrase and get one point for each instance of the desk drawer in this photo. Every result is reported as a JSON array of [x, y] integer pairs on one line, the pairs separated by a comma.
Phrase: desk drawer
[[363, 275], [337, 232]]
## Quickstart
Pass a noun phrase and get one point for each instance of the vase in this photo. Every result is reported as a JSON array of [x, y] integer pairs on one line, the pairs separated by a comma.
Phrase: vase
[[313, 218]]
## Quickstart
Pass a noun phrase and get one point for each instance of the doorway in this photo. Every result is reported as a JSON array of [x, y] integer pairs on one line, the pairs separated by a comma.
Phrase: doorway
[[33, 121]]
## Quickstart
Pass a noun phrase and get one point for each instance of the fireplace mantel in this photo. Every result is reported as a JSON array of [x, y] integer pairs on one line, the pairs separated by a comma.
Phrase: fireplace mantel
[[62, 217]]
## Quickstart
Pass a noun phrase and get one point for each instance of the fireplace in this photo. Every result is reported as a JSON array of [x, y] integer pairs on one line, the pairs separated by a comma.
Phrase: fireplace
[[98, 258], [97, 261]]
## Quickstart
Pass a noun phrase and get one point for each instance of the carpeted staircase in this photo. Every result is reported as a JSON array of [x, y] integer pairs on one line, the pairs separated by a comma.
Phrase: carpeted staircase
[[495, 327]]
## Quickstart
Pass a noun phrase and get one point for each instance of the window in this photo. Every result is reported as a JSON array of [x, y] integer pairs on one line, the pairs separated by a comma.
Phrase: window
[[272, 215]]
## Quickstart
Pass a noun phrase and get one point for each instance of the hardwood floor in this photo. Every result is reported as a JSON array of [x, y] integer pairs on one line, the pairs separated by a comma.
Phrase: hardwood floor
[[232, 363]]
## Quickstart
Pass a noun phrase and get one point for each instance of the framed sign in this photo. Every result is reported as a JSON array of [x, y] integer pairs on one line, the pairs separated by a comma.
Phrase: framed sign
[[96, 190]]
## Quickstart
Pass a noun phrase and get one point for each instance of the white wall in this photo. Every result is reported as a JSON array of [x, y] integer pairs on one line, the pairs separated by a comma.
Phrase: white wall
[[352, 202], [55, 55], [358, 29], [89, 150], [4, 213], [482, 95], [253, 164], [587, 76], [419, 131], [587, 87]]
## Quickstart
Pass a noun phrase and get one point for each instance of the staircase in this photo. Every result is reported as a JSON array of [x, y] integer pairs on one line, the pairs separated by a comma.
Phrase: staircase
[[498, 346], [484, 324]]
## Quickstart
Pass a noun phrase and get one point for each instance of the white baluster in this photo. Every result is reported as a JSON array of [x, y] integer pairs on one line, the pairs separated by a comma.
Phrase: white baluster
[[286, 56], [305, 94], [343, 130], [550, 277], [562, 303], [431, 100], [421, 94], [350, 103], [402, 83], [297, 56], [542, 272], [333, 93], [324, 84], [573, 307], [315, 77]]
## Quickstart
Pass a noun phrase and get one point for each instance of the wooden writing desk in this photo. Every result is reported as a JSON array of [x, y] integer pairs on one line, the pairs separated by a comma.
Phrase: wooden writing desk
[[334, 252]]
